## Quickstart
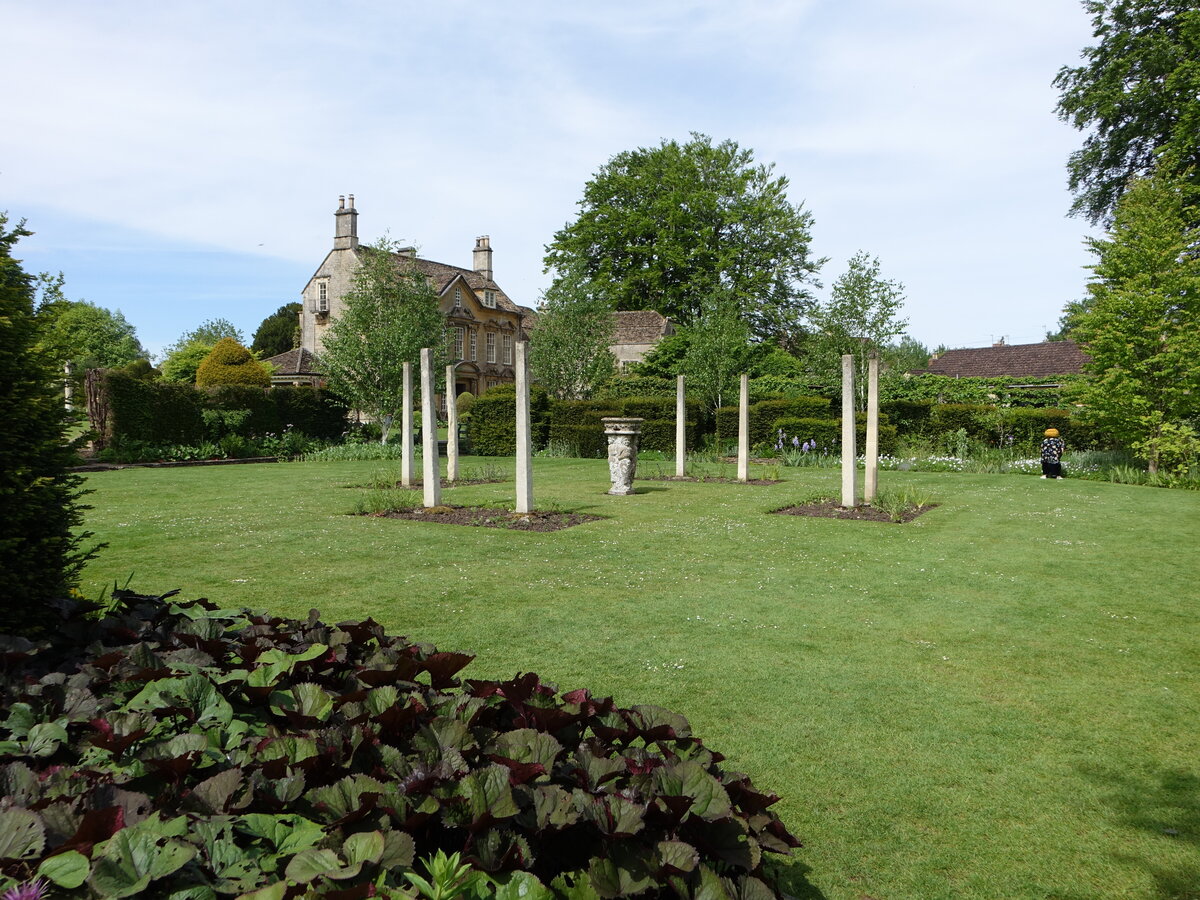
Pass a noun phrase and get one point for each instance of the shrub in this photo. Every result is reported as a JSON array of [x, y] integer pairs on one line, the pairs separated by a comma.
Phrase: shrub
[[770, 387], [911, 417], [492, 426], [175, 749], [974, 418], [827, 433], [230, 363], [624, 386], [40, 553], [585, 441], [659, 434], [463, 403], [764, 413]]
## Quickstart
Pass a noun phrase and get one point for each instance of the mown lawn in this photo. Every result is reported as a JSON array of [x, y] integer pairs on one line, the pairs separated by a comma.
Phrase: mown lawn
[[1000, 699]]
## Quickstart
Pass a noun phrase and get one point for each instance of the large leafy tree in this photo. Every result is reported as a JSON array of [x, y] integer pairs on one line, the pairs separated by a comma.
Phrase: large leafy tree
[[570, 351], [40, 547], [278, 332], [82, 333], [862, 316], [671, 226], [388, 316], [1142, 327], [183, 358], [1138, 96]]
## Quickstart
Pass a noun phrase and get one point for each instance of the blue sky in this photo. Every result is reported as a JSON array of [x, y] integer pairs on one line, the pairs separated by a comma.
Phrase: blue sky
[[183, 161]]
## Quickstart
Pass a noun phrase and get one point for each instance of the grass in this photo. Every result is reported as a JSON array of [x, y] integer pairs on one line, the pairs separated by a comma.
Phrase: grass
[[997, 700]]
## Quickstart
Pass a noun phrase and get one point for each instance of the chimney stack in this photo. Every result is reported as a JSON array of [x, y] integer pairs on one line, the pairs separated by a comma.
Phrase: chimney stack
[[483, 257], [345, 235]]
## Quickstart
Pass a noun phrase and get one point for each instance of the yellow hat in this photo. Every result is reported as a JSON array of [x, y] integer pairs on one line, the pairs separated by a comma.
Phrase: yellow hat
[[1051, 432]]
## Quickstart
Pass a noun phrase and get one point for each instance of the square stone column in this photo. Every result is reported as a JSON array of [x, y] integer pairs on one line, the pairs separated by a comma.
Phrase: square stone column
[[451, 428], [524, 445], [744, 429], [680, 429], [849, 450], [406, 435], [431, 475], [871, 475]]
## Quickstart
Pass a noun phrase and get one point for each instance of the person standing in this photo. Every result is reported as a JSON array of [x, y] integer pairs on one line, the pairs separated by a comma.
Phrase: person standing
[[1052, 451]]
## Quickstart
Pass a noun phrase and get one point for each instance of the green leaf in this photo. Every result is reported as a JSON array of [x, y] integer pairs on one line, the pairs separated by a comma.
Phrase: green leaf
[[677, 856], [45, 738], [382, 698], [621, 875], [488, 794], [522, 886], [22, 834], [309, 865], [710, 801], [273, 663], [305, 699], [20, 719], [367, 846], [345, 796], [287, 833], [613, 815], [527, 746], [553, 807], [136, 856], [276, 891], [399, 850], [68, 870]]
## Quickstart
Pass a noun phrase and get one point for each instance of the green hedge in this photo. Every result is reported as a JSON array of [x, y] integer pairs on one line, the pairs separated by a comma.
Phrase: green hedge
[[764, 413], [492, 426], [911, 417], [588, 441], [165, 412], [625, 386], [978, 420], [659, 434], [828, 433]]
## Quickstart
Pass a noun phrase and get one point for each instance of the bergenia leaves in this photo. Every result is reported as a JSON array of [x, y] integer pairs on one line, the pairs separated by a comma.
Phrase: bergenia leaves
[[190, 752]]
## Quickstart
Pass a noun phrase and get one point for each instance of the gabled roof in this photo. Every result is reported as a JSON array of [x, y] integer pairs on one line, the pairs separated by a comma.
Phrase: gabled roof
[[640, 326], [441, 276], [1011, 360], [293, 362]]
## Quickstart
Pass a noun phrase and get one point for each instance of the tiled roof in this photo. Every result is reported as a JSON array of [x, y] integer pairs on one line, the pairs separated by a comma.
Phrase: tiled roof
[[641, 326], [1014, 360], [440, 275], [294, 362]]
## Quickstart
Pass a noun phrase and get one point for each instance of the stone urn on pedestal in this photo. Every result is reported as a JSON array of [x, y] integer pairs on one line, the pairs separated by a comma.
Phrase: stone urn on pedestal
[[622, 437]]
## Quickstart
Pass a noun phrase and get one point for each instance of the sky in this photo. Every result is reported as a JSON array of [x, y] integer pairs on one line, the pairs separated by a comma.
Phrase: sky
[[182, 161]]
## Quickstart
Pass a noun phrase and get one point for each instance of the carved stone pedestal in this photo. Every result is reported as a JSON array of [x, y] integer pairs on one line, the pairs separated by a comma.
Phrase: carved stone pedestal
[[622, 437]]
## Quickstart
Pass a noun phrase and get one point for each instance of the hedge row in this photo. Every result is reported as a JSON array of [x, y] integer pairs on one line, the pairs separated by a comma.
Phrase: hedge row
[[764, 413], [161, 412], [827, 433], [1021, 425]]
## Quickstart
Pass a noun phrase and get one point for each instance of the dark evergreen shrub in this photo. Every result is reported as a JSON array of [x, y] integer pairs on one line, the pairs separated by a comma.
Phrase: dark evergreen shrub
[[314, 412], [40, 552], [588, 441], [637, 386], [154, 412], [262, 413], [230, 363], [659, 434], [492, 425], [911, 417]]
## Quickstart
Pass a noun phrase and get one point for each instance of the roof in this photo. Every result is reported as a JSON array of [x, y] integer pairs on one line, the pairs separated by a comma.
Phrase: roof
[[294, 362], [442, 275], [1011, 360], [641, 326]]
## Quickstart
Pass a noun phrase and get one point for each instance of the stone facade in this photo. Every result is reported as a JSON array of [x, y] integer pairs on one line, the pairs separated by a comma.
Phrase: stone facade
[[635, 333], [483, 323]]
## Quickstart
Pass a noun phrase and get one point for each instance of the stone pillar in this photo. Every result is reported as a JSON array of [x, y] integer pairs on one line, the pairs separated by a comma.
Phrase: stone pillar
[[406, 435], [69, 385], [849, 454], [871, 475], [431, 475], [680, 429], [744, 429], [622, 436], [524, 445], [451, 428]]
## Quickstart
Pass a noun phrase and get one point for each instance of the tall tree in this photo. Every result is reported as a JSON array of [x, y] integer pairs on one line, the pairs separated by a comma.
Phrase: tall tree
[[278, 332], [668, 227], [860, 317], [40, 547], [1138, 95], [183, 358], [390, 314], [718, 350], [1142, 329], [87, 335], [570, 351]]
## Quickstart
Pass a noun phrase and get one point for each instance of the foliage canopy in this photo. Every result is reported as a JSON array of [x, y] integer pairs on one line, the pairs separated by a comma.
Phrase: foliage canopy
[[675, 227], [1138, 92], [230, 363], [390, 314], [1142, 328], [569, 353], [278, 332]]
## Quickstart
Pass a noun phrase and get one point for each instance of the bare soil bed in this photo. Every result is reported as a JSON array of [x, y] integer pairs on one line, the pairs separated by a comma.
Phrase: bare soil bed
[[830, 509], [485, 517]]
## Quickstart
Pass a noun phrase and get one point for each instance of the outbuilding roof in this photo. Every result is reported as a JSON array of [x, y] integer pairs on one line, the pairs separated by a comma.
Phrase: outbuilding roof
[[641, 326], [1011, 360]]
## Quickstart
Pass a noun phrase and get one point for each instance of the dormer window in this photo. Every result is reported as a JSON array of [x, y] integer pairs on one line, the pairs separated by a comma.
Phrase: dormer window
[[489, 299]]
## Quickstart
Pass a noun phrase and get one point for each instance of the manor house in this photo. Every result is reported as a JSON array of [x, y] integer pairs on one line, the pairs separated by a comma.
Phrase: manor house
[[482, 323]]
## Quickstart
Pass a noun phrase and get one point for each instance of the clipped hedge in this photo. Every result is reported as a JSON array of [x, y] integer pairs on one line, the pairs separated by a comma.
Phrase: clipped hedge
[[174, 749], [828, 433], [659, 434], [230, 363], [585, 441], [764, 413], [978, 420], [492, 425], [911, 417], [623, 386]]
